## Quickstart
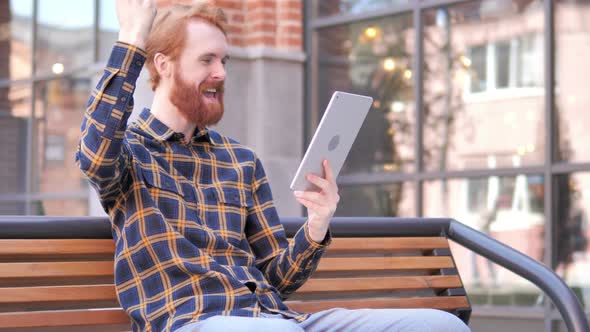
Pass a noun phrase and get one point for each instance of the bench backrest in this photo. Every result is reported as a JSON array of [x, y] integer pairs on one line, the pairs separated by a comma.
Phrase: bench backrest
[[67, 284]]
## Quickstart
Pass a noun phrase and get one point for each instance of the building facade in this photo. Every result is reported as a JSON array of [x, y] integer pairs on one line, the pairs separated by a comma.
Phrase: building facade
[[479, 114]]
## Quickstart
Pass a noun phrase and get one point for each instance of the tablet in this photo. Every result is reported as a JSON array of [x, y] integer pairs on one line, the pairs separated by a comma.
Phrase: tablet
[[333, 138]]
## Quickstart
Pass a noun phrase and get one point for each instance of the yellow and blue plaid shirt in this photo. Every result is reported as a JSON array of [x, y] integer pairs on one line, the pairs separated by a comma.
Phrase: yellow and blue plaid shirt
[[194, 224]]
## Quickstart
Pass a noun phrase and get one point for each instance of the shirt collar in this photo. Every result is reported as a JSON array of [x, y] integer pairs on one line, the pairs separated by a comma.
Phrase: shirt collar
[[159, 131]]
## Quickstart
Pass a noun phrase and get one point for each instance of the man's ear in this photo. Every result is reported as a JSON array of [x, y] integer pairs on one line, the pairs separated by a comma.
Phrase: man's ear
[[163, 65]]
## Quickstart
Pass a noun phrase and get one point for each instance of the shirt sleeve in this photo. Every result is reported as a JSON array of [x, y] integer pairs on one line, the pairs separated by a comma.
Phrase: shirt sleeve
[[285, 264], [101, 155]]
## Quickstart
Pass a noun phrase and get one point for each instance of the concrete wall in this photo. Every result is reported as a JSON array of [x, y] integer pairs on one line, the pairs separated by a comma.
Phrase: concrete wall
[[264, 110]]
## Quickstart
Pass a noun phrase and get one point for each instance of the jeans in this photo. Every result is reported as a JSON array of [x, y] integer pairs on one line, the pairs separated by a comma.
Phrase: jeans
[[337, 320]]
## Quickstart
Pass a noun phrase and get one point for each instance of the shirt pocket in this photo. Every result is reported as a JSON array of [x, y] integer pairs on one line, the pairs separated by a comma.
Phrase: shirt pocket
[[234, 205], [165, 192]]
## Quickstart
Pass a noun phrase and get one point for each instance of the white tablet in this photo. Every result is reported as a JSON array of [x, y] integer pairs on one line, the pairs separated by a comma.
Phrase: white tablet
[[334, 136]]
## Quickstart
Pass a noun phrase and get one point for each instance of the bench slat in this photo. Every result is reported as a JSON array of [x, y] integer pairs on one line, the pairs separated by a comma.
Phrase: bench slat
[[378, 283], [107, 292], [63, 318], [56, 269], [20, 248], [444, 303], [61, 269], [57, 293], [331, 264], [387, 244]]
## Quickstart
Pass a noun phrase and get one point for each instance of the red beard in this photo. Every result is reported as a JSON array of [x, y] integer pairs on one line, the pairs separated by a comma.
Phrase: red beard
[[191, 102]]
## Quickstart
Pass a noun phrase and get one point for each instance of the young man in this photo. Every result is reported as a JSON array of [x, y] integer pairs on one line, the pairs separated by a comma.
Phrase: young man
[[199, 245]]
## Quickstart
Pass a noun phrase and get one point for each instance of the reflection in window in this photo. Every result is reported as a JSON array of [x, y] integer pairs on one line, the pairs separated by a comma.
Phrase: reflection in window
[[508, 208], [373, 58], [521, 193], [60, 108], [483, 83], [108, 28], [502, 64], [15, 108], [65, 43], [60, 207], [12, 208], [389, 200], [514, 64], [15, 38], [478, 57], [335, 7], [573, 233], [55, 149], [572, 39]]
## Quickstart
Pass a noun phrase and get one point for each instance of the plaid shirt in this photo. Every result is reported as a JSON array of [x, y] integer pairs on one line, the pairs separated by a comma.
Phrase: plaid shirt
[[195, 227]]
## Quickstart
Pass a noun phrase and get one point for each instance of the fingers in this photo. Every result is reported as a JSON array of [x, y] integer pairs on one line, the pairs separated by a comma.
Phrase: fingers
[[321, 183], [309, 204], [322, 200], [136, 18], [327, 182], [309, 195], [328, 171]]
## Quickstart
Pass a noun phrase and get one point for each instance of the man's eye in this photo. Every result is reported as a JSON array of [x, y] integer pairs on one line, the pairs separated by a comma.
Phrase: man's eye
[[206, 61]]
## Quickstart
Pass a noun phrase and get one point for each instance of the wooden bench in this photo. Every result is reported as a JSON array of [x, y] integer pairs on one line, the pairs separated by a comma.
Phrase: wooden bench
[[56, 274]]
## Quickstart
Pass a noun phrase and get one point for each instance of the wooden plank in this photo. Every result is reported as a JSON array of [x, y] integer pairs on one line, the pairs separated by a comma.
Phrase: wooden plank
[[57, 293], [63, 318], [444, 303], [331, 264], [56, 269], [378, 283], [57, 247], [387, 244]]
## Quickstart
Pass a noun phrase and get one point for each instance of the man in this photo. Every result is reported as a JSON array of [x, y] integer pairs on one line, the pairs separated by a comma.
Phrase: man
[[199, 245]]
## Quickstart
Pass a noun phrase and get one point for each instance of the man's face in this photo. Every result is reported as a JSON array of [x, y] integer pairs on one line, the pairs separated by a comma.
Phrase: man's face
[[199, 74]]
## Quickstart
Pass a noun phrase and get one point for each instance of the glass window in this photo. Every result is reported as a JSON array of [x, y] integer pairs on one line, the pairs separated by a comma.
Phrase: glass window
[[60, 207], [529, 64], [55, 147], [108, 28], [478, 55], [12, 207], [509, 209], [502, 65], [336, 7], [65, 36], [483, 83], [373, 58], [387, 200], [572, 37], [58, 116], [513, 64], [573, 233], [15, 107], [15, 38]]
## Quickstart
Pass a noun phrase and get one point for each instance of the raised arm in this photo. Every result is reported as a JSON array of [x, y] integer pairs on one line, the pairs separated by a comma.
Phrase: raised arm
[[101, 154]]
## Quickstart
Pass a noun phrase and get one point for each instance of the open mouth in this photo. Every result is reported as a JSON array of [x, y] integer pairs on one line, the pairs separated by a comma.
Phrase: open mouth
[[210, 93]]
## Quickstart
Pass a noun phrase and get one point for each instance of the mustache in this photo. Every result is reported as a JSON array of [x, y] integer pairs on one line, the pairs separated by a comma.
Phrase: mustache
[[218, 86]]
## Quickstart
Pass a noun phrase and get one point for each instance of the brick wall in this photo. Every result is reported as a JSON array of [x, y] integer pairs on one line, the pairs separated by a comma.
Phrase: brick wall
[[261, 23]]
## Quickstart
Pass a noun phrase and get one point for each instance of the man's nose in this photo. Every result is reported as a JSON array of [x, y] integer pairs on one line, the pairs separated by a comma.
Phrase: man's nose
[[218, 72]]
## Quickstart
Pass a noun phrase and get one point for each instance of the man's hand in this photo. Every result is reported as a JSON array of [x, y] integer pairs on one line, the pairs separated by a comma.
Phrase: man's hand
[[135, 20], [320, 205]]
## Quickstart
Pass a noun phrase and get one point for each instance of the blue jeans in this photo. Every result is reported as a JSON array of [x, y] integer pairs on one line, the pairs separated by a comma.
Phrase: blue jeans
[[337, 320]]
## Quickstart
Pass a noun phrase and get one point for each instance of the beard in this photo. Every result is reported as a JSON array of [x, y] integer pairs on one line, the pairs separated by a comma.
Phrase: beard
[[198, 107]]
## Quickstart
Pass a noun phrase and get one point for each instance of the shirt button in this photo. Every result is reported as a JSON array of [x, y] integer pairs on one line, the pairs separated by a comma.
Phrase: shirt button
[[123, 99], [138, 63]]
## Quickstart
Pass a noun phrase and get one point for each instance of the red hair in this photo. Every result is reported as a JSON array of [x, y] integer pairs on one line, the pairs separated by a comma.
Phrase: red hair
[[168, 35]]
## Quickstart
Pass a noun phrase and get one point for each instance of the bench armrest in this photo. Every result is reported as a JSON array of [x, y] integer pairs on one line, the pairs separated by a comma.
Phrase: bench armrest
[[562, 296]]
